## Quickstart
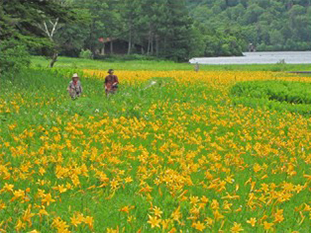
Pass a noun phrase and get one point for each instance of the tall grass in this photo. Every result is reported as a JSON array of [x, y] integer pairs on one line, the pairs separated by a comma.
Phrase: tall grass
[[78, 63], [175, 150]]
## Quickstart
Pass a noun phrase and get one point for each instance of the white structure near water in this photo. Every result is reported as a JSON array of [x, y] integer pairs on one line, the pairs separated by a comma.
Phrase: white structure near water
[[296, 57]]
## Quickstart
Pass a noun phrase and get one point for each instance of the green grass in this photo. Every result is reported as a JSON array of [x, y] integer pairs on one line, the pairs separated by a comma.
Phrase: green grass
[[276, 95], [173, 115], [66, 62]]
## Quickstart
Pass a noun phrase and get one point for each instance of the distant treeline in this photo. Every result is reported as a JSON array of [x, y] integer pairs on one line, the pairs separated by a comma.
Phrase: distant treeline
[[268, 24], [171, 29], [161, 28]]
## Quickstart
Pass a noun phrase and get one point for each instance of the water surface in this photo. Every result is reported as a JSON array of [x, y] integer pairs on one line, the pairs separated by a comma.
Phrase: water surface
[[297, 57]]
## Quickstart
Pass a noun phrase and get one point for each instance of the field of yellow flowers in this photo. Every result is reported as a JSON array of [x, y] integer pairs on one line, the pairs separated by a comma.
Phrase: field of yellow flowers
[[170, 152]]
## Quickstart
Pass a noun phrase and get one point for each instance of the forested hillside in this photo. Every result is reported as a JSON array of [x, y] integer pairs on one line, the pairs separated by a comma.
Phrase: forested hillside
[[171, 29], [269, 24]]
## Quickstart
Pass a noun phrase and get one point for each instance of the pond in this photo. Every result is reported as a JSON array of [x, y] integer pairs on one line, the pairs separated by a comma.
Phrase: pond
[[294, 57]]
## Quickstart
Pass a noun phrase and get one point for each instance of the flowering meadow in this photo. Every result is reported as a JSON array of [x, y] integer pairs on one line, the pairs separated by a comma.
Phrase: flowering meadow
[[172, 151]]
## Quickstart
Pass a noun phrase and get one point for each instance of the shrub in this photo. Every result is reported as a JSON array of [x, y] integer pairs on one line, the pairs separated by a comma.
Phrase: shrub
[[14, 57], [87, 54], [277, 95]]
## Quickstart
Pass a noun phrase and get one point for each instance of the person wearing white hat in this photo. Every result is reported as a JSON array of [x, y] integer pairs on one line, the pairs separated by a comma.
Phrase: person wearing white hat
[[75, 88]]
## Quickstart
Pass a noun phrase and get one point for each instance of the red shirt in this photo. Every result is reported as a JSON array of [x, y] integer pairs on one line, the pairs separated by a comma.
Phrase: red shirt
[[110, 80]]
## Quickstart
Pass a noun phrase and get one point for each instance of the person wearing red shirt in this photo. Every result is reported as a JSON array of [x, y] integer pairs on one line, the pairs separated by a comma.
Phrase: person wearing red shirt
[[111, 83]]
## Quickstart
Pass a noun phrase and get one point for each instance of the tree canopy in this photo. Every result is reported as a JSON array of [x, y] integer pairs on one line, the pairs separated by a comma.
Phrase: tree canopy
[[268, 24], [172, 29]]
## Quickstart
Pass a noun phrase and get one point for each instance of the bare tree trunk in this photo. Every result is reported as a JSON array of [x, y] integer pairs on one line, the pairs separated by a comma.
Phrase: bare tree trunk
[[91, 36], [54, 59], [152, 45], [130, 40], [111, 47], [129, 45], [157, 45], [50, 32], [148, 46]]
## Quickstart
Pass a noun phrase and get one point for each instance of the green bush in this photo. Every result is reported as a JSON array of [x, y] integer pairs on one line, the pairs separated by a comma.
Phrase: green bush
[[14, 57], [276, 95], [86, 54]]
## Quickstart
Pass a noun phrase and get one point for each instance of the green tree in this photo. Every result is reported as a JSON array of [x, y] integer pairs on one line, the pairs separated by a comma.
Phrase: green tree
[[131, 11], [98, 10], [71, 36], [272, 24], [176, 40], [14, 57], [20, 21]]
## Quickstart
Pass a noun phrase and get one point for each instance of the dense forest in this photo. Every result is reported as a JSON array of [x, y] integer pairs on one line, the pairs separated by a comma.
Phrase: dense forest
[[171, 29], [268, 24]]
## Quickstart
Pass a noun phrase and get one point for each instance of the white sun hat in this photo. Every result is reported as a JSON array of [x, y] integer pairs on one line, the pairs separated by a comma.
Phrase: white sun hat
[[75, 75]]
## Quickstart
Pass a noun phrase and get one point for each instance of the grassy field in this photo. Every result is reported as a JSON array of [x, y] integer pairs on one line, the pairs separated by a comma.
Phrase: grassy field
[[172, 151], [78, 63]]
